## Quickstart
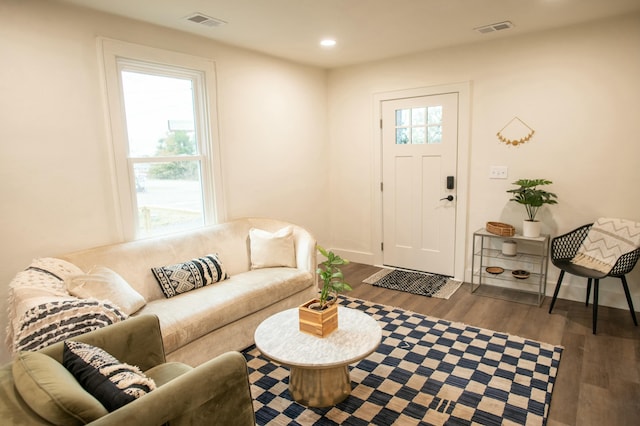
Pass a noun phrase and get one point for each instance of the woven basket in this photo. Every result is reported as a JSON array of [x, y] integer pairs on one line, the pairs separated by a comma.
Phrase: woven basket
[[502, 229]]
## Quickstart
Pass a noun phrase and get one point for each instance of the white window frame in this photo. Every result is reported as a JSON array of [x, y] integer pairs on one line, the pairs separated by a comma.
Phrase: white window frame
[[118, 56]]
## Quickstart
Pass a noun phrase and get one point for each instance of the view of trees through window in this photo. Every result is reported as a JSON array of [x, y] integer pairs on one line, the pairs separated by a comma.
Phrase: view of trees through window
[[164, 154], [178, 142]]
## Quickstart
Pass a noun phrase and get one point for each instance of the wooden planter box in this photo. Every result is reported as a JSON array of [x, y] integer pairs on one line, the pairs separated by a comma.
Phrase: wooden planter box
[[318, 323]]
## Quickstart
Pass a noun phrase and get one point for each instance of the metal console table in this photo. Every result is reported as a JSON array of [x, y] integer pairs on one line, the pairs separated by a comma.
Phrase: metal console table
[[495, 274]]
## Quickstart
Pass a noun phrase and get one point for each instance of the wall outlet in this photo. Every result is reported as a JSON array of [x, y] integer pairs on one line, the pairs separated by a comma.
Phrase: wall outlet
[[498, 172]]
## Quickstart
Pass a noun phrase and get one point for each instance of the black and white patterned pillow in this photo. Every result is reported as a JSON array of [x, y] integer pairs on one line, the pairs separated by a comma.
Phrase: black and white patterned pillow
[[111, 382], [191, 275], [62, 319]]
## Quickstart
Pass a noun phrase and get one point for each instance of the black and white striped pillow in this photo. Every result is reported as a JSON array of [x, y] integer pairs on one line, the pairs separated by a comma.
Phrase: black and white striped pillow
[[191, 275]]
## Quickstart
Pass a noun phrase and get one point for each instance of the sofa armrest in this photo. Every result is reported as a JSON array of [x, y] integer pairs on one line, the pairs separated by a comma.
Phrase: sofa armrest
[[135, 341], [216, 392]]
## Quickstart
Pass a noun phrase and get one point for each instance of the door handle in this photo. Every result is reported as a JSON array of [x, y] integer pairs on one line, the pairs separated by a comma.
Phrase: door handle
[[448, 198]]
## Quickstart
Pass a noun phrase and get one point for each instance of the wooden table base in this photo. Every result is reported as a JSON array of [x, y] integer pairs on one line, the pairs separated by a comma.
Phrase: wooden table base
[[323, 387]]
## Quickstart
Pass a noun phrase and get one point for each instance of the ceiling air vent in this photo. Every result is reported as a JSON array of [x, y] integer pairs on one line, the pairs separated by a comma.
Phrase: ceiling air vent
[[202, 19], [494, 27]]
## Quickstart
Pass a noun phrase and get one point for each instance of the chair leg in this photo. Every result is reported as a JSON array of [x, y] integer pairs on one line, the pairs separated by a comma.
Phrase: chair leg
[[629, 302], [586, 303], [555, 292], [595, 304]]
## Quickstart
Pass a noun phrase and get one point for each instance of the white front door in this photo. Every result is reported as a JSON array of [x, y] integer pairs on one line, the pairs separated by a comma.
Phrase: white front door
[[419, 161]]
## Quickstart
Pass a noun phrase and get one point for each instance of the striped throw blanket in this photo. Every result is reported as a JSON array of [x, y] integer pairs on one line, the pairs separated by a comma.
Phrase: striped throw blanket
[[607, 240]]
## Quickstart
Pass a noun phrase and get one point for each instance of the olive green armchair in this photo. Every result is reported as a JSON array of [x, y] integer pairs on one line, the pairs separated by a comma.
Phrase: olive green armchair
[[214, 393]]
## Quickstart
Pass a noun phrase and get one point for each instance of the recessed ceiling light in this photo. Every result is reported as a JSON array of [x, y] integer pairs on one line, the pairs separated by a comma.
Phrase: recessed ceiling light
[[327, 42]]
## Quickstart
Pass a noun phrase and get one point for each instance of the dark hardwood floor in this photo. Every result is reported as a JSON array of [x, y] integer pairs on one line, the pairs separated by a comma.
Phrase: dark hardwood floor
[[598, 380]]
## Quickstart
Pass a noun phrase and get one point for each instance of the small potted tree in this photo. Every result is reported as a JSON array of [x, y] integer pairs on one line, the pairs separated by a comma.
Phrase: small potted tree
[[319, 316], [532, 198]]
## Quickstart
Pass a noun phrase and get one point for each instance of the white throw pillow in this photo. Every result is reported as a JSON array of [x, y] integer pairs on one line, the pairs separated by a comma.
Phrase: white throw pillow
[[104, 284], [272, 249]]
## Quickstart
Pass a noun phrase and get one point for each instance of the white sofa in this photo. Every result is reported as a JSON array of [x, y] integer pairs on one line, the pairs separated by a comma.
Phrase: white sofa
[[199, 324]]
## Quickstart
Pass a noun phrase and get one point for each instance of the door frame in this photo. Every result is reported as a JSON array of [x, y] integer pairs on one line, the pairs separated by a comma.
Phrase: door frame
[[462, 168]]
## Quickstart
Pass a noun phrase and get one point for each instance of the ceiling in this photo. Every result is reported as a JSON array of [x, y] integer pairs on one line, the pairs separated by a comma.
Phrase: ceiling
[[365, 30]]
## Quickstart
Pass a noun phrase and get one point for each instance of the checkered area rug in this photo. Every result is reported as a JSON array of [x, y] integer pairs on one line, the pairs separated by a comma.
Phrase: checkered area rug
[[426, 371], [423, 284]]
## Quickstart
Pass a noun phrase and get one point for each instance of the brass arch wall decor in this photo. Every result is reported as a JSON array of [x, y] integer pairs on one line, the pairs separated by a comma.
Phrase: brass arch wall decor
[[515, 142]]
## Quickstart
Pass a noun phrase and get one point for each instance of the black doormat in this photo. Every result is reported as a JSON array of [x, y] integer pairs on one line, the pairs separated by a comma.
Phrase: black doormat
[[423, 284]]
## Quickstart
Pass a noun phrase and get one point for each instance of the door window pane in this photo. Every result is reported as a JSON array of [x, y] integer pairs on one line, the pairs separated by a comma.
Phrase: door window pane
[[418, 116], [434, 134], [402, 136], [435, 114], [418, 135], [402, 117], [419, 125]]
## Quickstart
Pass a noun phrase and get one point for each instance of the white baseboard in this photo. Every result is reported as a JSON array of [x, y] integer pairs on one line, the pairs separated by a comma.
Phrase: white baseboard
[[573, 288], [611, 293], [366, 258]]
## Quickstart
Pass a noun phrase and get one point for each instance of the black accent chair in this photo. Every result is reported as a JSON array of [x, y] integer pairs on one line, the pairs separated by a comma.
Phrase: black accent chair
[[565, 247]]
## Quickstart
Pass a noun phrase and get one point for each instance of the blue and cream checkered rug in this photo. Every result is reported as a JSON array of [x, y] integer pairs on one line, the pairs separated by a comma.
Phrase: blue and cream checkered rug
[[426, 371]]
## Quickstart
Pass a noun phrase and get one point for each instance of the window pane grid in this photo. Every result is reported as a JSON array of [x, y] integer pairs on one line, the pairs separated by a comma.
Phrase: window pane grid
[[165, 157], [422, 125]]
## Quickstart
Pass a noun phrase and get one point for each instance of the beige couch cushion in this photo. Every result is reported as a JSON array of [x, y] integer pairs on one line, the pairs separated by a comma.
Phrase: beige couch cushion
[[191, 315]]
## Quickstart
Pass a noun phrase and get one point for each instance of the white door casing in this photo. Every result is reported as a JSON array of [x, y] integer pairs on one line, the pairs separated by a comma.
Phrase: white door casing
[[458, 237]]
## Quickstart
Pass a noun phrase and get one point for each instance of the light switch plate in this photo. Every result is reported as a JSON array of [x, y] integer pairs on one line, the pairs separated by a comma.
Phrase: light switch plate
[[498, 172]]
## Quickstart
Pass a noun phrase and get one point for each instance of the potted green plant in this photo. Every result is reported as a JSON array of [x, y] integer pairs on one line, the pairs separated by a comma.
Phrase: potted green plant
[[332, 278], [320, 316], [532, 198]]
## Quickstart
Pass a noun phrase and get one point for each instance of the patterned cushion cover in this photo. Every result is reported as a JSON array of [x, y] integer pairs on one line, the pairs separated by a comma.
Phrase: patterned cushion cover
[[111, 382], [191, 275], [58, 320]]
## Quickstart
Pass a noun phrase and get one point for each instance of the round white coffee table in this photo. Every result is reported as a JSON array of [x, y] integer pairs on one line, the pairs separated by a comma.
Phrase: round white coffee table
[[319, 366]]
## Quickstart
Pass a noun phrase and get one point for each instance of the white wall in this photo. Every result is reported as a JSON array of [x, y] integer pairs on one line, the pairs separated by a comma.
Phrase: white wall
[[55, 182], [578, 87]]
